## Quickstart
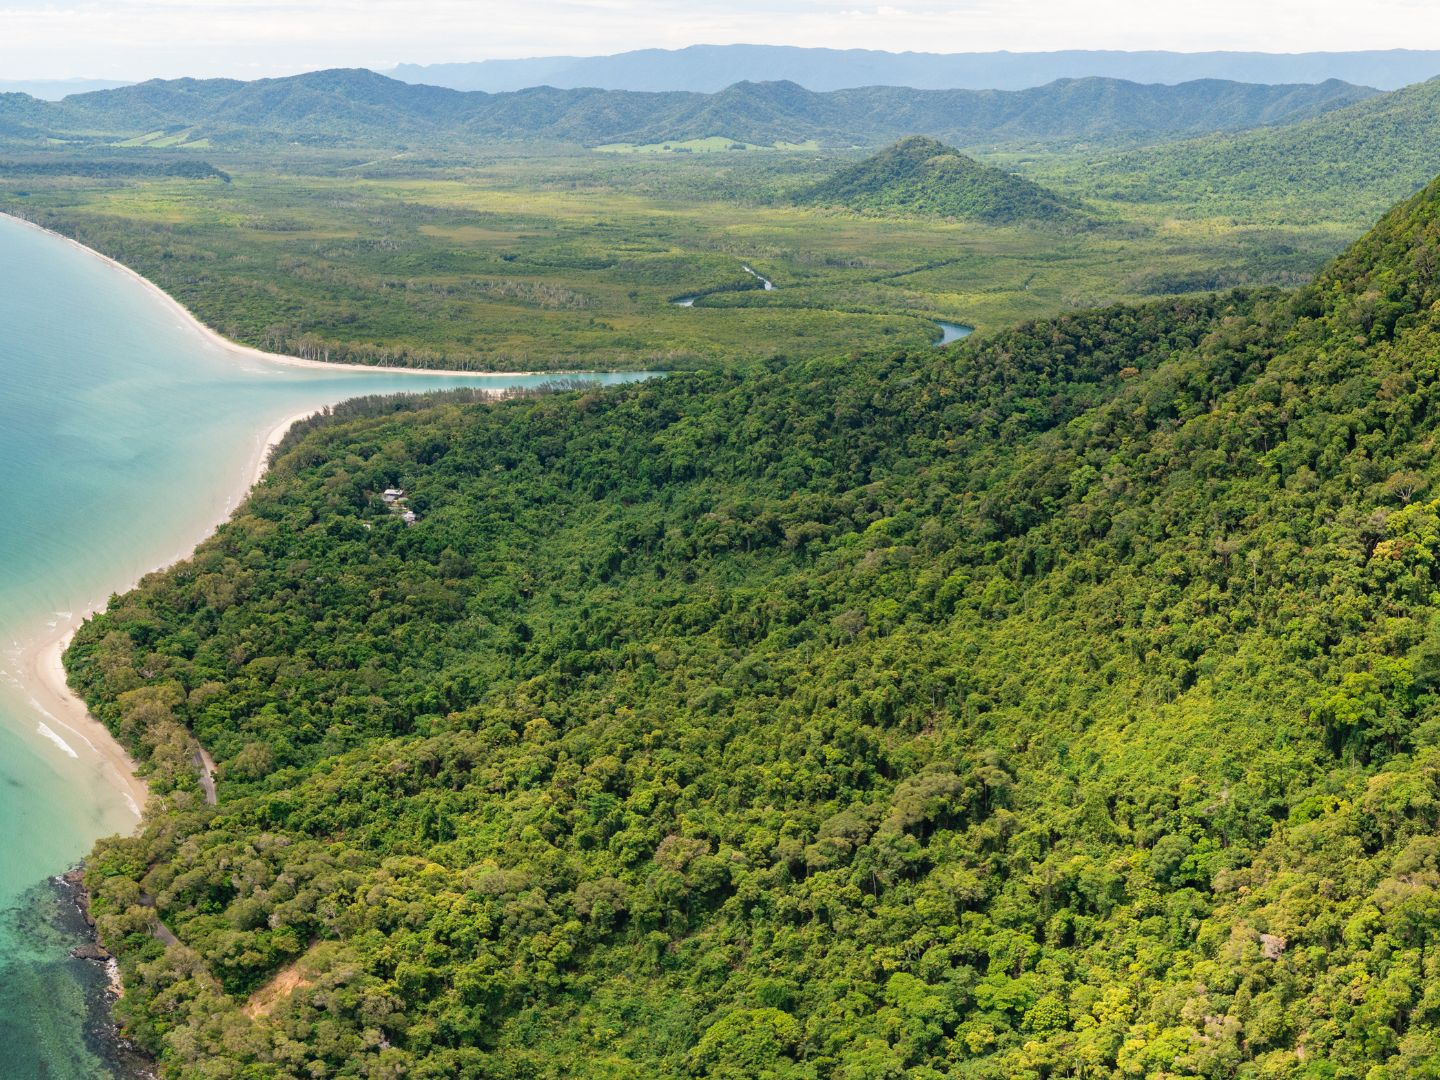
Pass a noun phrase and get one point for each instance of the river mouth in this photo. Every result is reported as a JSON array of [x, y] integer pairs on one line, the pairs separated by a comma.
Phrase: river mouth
[[128, 435]]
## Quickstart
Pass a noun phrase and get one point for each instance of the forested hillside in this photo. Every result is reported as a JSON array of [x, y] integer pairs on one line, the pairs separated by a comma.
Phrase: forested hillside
[[354, 107], [1060, 704], [925, 177], [1382, 149]]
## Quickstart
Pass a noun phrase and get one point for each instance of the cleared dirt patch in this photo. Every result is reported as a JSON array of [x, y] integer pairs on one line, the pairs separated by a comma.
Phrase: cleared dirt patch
[[264, 1000]]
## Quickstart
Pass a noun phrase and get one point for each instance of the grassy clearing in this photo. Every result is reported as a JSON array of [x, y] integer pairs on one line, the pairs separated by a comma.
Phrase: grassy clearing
[[164, 140]]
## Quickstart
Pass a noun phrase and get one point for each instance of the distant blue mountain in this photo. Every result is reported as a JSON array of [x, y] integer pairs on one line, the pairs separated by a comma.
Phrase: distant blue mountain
[[353, 107], [55, 89], [708, 68]]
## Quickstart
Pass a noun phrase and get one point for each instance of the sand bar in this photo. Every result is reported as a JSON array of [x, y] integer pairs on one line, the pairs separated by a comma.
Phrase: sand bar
[[252, 353]]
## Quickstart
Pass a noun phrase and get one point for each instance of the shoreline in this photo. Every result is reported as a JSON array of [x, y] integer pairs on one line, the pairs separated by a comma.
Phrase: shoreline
[[39, 654], [214, 337], [39, 660], [42, 674], [261, 465]]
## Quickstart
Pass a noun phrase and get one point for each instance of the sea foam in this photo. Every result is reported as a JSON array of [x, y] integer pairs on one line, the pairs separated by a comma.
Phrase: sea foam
[[43, 729]]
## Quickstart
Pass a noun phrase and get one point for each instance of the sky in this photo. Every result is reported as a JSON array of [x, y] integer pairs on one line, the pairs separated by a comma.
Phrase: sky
[[135, 39]]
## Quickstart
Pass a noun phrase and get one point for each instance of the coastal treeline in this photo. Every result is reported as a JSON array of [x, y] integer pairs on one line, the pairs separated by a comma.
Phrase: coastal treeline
[[112, 168], [1059, 704]]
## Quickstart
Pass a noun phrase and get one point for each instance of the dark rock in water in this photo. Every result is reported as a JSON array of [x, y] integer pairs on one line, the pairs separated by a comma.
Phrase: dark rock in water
[[74, 882], [90, 961]]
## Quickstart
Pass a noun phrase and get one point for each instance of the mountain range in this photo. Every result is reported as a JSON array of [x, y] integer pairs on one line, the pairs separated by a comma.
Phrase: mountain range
[[56, 89], [708, 68], [346, 106]]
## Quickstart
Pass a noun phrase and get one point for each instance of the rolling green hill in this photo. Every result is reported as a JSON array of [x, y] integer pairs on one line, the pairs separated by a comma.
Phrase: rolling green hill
[[1377, 151], [1063, 703], [924, 177], [356, 107]]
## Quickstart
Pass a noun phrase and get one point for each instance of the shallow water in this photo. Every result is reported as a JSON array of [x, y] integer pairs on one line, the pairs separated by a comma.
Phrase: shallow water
[[124, 435], [950, 331]]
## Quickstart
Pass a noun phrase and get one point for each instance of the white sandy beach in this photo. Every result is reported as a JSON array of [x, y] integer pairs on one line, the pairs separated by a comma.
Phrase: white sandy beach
[[251, 353], [38, 665], [41, 671], [43, 676]]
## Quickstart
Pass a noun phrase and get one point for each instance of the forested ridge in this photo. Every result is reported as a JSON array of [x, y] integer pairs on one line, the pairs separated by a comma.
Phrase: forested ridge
[[1382, 148], [1058, 704], [353, 107]]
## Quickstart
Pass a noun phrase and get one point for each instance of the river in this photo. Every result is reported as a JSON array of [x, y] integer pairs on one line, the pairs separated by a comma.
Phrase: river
[[949, 331]]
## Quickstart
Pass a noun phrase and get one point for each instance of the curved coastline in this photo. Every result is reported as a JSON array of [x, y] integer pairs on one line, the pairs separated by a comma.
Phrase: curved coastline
[[41, 665], [39, 656], [252, 353]]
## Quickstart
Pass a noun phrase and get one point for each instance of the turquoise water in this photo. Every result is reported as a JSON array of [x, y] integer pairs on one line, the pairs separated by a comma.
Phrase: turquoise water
[[950, 331], [124, 436]]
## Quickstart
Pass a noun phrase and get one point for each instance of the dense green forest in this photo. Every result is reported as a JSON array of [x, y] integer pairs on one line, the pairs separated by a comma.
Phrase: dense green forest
[[1371, 153], [921, 176], [111, 169], [1058, 704]]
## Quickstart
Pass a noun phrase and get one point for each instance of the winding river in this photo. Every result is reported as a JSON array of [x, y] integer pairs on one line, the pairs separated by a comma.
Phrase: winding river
[[949, 331], [126, 434]]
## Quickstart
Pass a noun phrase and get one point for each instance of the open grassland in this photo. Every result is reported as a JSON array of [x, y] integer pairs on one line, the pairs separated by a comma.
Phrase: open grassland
[[576, 261]]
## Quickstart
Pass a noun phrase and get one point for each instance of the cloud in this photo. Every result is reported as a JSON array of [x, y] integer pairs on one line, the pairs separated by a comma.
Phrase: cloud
[[141, 38]]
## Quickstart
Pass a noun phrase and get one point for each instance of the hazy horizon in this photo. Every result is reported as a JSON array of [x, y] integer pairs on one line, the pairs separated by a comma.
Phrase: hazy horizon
[[132, 40], [7, 79]]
